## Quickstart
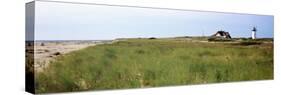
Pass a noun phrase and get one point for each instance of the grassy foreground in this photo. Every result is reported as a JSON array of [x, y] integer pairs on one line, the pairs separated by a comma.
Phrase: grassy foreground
[[149, 63]]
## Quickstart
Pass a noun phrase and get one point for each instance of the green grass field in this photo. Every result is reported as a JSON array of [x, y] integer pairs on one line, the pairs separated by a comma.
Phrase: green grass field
[[139, 63]]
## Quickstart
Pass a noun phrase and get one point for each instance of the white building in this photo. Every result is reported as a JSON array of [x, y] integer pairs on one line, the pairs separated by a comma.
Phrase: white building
[[254, 33]]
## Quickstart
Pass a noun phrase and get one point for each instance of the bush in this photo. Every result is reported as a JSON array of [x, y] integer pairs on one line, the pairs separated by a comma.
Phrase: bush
[[219, 39], [152, 38], [42, 44], [57, 53], [246, 43]]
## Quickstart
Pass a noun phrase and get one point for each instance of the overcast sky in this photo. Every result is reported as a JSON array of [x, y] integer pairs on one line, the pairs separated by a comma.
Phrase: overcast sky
[[65, 21]]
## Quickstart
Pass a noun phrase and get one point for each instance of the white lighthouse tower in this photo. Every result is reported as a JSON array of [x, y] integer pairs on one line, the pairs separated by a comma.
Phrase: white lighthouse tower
[[254, 33]]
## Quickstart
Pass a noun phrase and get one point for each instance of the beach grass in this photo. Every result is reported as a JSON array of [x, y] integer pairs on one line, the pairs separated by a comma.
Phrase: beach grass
[[140, 63]]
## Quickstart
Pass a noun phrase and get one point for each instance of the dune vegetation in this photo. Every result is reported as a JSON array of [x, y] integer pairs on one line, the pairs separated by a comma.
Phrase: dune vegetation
[[139, 63]]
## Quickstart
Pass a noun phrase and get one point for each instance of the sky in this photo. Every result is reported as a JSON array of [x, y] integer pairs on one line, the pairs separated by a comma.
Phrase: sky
[[66, 21]]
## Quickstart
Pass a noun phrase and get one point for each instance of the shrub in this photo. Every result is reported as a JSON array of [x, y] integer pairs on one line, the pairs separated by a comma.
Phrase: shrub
[[219, 39]]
